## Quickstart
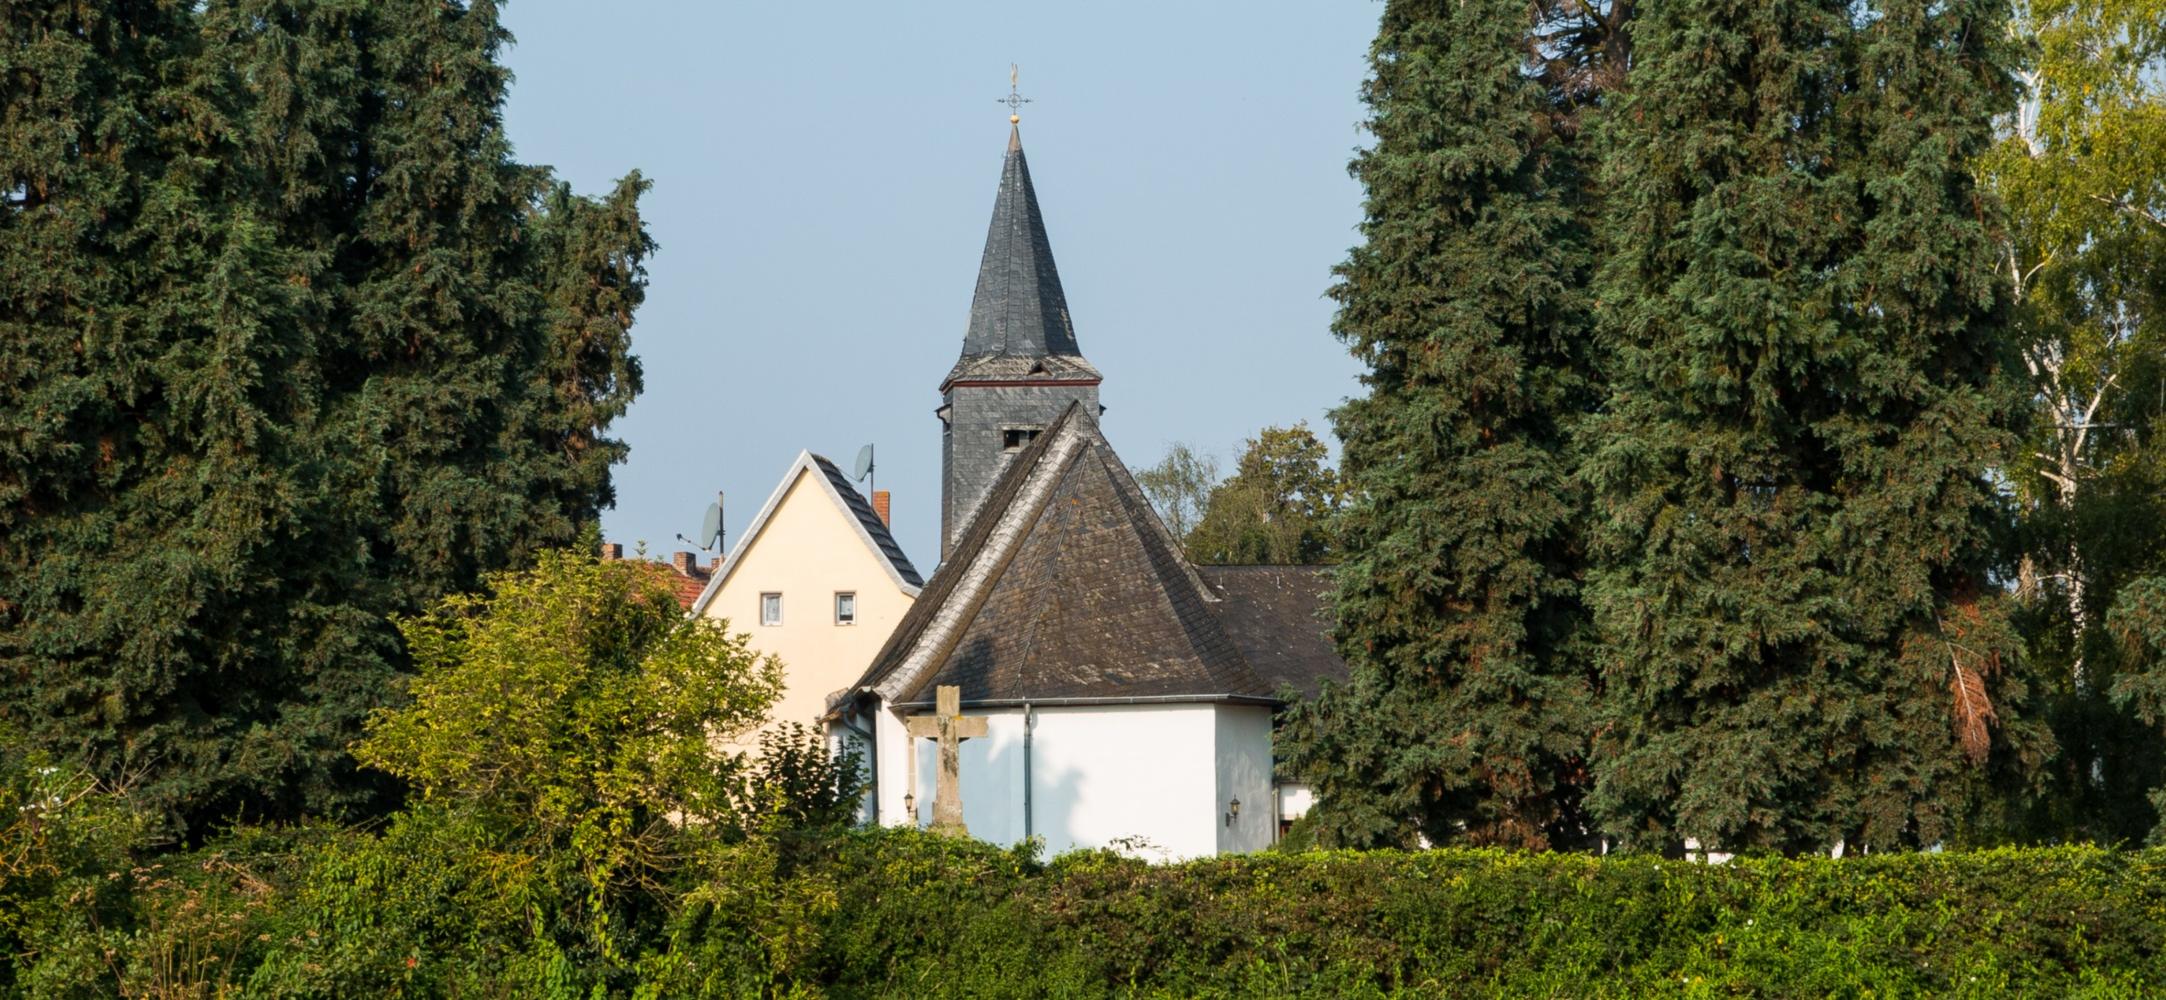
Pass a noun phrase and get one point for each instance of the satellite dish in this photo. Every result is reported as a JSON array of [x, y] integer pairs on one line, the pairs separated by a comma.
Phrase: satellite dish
[[864, 462], [710, 526]]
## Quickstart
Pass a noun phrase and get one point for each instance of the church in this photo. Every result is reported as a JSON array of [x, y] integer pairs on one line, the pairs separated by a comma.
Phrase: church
[[1067, 674]]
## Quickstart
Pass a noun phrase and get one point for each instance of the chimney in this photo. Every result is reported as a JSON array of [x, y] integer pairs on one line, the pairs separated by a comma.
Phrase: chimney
[[687, 563], [879, 506], [612, 550]]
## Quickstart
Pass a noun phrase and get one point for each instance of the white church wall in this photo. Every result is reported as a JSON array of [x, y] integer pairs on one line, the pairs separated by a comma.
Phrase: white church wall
[[1105, 774], [1242, 751], [894, 770], [1295, 800], [1144, 775]]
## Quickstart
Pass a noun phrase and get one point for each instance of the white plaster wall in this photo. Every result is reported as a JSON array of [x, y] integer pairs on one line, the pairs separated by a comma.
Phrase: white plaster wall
[[1295, 800], [1242, 751], [809, 549], [1098, 775], [880, 745], [1146, 771]]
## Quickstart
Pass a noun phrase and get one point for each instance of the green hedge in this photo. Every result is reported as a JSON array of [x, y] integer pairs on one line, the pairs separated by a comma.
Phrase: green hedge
[[895, 914], [425, 908]]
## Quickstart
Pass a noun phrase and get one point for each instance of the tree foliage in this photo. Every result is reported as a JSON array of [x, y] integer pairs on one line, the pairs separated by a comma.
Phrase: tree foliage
[[288, 342], [1467, 716], [1179, 487], [575, 696], [2081, 169], [1276, 508], [574, 716], [1801, 643]]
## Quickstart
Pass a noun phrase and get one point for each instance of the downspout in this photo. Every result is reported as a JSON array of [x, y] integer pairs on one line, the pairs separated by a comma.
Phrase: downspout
[[1027, 831], [872, 762]]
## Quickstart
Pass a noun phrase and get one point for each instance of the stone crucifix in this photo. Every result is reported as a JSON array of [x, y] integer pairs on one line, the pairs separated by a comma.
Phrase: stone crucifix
[[950, 727]]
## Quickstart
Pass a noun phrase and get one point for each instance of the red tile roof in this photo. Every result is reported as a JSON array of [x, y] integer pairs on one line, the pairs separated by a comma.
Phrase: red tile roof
[[685, 587]]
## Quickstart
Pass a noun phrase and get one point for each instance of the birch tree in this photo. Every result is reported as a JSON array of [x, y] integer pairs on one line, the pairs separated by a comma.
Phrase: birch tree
[[2081, 169]]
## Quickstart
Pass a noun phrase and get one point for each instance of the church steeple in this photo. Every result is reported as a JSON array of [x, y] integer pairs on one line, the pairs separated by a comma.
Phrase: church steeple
[[1018, 317], [1020, 367]]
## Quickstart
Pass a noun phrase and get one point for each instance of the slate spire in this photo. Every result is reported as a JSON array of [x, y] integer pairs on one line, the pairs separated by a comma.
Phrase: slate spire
[[1018, 312], [1020, 366]]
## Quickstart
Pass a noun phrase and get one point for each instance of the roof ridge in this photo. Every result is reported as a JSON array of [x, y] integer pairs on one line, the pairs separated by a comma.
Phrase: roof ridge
[[1067, 584], [883, 538], [998, 504]]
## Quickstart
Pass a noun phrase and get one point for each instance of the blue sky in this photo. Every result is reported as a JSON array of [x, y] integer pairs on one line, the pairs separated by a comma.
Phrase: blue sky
[[823, 177]]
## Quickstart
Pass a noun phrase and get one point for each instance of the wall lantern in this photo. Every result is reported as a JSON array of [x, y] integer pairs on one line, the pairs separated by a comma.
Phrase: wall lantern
[[1233, 811], [910, 805]]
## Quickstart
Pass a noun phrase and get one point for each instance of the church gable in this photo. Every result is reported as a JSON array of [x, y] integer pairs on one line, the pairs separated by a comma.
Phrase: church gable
[[1066, 589], [1094, 604]]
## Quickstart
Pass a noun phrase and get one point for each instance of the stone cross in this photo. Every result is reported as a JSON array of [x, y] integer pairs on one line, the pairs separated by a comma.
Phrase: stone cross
[[950, 727]]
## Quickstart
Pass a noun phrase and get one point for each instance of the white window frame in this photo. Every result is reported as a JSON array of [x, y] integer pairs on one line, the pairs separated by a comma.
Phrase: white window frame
[[777, 595], [839, 619]]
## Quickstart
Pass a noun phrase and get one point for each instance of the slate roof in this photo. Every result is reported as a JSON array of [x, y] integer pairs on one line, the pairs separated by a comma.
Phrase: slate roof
[[1066, 588], [1278, 616], [1019, 327], [869, 519]]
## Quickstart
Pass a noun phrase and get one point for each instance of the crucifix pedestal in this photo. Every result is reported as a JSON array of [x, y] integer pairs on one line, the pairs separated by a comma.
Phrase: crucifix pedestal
[[949, 727]]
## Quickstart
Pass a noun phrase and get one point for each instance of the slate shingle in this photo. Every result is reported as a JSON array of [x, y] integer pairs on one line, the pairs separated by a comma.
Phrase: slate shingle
[[1018, 312], [1279, 617], [1089, 601]]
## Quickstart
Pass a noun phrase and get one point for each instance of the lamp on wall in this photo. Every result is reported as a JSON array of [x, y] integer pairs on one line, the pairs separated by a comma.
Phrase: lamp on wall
[[1233, 811], [910, 805]]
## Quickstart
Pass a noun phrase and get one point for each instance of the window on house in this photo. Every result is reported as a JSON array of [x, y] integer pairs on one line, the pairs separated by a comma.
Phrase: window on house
[[770, 609], [845, 608], [1014, 438]]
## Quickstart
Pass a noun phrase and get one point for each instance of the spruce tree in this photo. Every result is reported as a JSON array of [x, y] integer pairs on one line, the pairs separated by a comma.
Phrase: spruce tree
[[1802, 647], [1467, 715], [288, 343]]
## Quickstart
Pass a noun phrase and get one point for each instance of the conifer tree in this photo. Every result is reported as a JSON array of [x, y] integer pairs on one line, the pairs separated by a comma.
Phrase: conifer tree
[[1467, 715], [1802, 648], [287, 343]]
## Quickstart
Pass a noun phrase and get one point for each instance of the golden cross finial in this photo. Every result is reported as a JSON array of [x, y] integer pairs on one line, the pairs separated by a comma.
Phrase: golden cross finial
[[1014, 100]]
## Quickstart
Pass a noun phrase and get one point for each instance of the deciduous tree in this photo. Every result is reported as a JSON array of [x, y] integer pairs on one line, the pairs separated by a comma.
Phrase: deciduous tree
[[1277, 506], [1179, 487], [2081, 170]]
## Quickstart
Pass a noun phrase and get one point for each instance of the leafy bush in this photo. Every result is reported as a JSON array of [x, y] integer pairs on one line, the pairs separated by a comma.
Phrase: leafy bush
[[67, 860], [799, 784], [896, 913], [440, 905], [580, 830]]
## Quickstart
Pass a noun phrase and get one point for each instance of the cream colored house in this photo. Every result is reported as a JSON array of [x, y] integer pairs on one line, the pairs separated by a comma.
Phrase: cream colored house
[[818, 581]]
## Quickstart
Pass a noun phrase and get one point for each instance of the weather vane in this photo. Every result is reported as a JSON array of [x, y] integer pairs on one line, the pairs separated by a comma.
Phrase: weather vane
[[1014, 100]]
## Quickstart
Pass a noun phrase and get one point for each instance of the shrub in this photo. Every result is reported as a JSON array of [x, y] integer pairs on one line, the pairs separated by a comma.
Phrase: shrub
[[894, 913], [68, 849]]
